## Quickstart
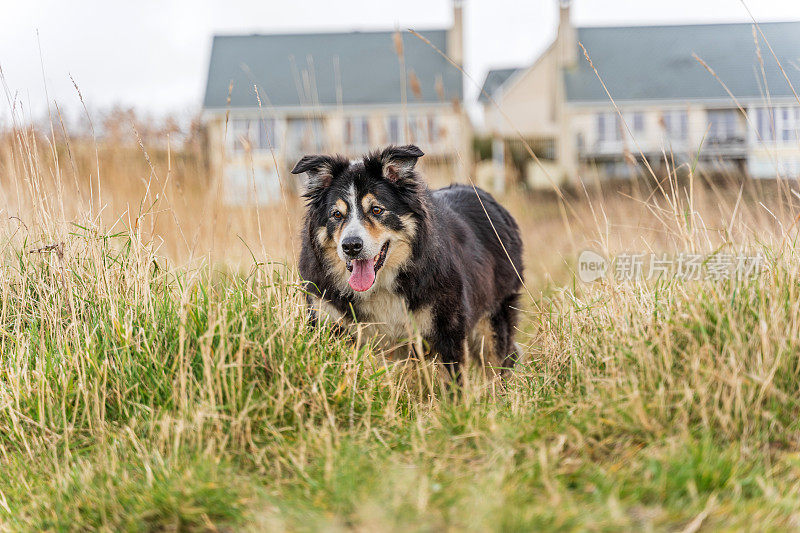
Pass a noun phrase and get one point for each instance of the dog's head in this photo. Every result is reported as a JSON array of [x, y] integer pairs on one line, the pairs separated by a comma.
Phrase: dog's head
[[363, 215]]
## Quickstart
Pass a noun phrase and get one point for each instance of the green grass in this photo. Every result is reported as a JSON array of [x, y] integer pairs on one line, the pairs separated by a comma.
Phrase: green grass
[[139, 396]]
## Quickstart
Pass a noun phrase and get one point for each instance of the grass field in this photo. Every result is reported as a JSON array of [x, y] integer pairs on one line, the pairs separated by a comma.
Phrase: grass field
[[158, 371]]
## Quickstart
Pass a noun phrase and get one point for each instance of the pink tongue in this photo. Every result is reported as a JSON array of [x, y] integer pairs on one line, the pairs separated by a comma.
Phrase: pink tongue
[[363, 275]]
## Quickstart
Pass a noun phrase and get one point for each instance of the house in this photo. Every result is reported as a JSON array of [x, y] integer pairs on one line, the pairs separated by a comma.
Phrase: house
[[711, 95], [270, 99]]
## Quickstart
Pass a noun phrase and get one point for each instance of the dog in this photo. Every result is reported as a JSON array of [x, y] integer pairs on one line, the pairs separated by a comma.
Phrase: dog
[[379, 247]]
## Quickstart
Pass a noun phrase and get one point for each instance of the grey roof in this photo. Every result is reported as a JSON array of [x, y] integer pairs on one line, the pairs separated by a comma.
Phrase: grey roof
[[299, 69], [494, 79], [655, 62]]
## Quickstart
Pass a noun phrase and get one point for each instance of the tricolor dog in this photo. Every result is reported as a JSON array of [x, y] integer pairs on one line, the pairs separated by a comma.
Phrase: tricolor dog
[[381, 248]]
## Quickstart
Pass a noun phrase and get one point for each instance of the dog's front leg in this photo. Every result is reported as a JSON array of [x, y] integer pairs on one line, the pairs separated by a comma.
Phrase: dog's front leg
[[321, 311], [449, 341]]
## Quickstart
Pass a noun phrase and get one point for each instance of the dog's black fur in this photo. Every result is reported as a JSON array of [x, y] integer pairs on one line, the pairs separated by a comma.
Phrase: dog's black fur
[[455, 265]]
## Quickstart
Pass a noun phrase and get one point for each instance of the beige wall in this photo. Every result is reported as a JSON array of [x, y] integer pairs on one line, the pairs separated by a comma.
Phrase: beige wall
[[529, 100], [258, 172], [652, 137], [771, 160], [765, 159], [451, 128], [532, 104], [779, 156]]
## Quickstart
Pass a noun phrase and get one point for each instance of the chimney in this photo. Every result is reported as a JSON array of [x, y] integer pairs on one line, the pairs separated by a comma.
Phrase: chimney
[[567, 37], [455, 36]]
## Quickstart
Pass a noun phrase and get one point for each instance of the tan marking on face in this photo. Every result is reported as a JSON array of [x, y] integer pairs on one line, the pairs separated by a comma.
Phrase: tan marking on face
[[368, 202], [400, 248], [337, 234], [399, 254], [410, 227], [377, 231], [341, 205], [322, 236]]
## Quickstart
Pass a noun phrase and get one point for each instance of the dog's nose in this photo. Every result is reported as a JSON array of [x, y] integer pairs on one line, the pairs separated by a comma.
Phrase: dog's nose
[[352, 246]]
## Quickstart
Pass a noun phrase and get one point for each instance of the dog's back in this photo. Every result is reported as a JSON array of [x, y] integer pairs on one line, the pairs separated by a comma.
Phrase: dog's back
[[493, 227], [491, 254]]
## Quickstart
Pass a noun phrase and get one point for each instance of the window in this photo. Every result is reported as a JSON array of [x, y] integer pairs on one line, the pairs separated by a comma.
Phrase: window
[[267, 137], [356, 131], [416, 131], [393, 131], [795, 137], [676, 124], [777, 124], [421, 129], [239, 135], [433, 129], [305, 135], [609, 127], [765, 127], [723, 125], [790, 123], [787, 130], [638, 122], [251, 135], [601, 127]]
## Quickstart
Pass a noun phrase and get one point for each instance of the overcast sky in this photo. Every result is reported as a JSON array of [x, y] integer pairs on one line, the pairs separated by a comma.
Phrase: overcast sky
[[153, 54]]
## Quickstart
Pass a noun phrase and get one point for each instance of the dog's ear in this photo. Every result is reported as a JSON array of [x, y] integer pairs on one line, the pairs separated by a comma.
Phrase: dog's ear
[[398, 162], [319, 169]]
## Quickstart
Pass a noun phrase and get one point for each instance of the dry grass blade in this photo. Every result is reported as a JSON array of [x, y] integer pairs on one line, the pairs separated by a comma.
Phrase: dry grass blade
[[159, 373]]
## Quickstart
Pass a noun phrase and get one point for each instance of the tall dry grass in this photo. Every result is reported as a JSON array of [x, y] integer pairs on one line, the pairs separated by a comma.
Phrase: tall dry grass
[[158, 370]]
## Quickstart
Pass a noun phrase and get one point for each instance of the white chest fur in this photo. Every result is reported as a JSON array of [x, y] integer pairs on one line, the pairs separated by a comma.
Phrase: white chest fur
[[386, 314]]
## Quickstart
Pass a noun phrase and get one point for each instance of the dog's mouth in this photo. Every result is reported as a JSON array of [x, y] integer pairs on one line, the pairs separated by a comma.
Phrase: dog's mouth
[[363, 271]]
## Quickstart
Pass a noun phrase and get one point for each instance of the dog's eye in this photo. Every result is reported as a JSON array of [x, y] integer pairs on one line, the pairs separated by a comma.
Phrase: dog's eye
[[377, 210], [337, 215]]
